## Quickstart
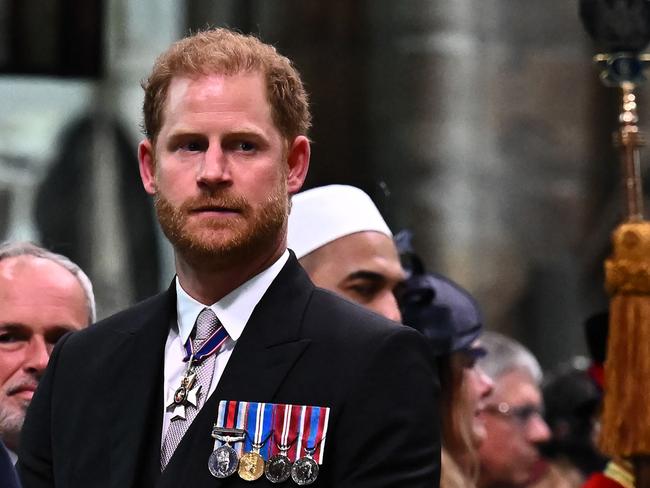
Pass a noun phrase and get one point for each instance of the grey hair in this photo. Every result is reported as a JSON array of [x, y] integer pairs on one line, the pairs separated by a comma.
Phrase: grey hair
[[15, 249], [505, 355]]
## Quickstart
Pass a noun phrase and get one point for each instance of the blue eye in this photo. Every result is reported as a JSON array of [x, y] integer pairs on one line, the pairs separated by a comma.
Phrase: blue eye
[[246, 146], [193, 146]]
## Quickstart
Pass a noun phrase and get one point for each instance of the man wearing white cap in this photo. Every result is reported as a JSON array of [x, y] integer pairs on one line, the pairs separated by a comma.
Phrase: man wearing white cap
[[345, 246]]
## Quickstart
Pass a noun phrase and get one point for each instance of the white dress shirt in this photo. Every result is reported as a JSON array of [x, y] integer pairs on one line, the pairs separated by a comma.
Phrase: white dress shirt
[[233, 311]]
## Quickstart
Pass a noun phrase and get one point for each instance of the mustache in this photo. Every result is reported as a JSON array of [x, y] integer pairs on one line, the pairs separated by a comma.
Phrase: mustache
[[21, 385], [229, 202]]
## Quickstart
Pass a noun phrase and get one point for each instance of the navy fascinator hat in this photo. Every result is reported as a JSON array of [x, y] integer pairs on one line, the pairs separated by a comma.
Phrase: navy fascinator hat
[[440, 309]]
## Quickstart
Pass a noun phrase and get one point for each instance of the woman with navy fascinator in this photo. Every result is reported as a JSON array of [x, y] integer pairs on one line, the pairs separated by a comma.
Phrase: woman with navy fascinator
[[451, 319]]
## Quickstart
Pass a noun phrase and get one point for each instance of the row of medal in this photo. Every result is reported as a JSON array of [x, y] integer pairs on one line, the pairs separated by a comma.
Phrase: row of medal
[[279, 441]]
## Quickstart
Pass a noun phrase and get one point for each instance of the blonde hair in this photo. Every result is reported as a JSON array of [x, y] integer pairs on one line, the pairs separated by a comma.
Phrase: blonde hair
[[223, 51], [457, 437], [451, 476]]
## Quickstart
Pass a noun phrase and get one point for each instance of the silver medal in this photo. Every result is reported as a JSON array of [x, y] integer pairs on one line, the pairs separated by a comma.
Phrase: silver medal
[[304, 471], [278, 468], [223, 462]]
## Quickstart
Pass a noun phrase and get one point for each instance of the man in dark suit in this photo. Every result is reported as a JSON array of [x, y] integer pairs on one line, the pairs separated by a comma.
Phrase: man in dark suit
[[131, 402], [43, 296]]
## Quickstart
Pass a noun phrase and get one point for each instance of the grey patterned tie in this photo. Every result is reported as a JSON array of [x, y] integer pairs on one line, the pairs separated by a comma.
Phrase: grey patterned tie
[[207, 324]]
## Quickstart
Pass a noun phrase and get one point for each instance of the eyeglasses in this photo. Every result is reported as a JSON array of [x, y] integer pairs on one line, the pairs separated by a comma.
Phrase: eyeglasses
[[521, 414]]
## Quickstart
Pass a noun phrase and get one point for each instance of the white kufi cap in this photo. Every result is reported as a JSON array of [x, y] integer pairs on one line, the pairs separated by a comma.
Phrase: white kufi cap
[[322, 215]]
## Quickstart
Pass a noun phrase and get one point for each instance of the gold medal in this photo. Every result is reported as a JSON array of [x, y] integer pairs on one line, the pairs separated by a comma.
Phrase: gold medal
[[251, 466]]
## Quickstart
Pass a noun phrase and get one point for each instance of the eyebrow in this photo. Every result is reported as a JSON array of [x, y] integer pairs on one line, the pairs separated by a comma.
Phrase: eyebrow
[[366, 275], [187, 131], [18, 325], [178, 136], [12, 325], [246, 131]]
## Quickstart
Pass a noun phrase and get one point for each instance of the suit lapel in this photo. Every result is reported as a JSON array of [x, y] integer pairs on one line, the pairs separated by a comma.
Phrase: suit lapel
[[270, 343], [267, 349], [136, 399]]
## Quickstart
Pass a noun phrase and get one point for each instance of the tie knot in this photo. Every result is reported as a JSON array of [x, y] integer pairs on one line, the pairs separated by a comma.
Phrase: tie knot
[[206, 324]]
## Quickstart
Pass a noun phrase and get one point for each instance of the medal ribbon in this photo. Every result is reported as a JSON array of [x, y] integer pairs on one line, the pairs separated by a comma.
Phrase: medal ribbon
[[286, 421], [228, 414], [258, 425], [297, 426], [209, 346], [241, 423], [231, 415], [313, 429], [322, 426]]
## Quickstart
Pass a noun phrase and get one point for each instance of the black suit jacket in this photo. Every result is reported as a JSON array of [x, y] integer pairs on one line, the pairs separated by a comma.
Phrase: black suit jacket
[[8, 476], [96, 418]]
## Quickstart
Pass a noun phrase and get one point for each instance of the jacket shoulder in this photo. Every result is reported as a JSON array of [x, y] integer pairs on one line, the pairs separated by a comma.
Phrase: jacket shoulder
[[158, 308], [330, 315]]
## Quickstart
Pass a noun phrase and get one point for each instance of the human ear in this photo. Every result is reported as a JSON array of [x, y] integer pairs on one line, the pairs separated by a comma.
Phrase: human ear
[[298, 162], [147, 164]]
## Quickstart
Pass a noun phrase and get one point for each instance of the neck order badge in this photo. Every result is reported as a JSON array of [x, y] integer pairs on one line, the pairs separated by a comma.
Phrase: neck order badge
[[195, 384], [188, 392], [282, 441]]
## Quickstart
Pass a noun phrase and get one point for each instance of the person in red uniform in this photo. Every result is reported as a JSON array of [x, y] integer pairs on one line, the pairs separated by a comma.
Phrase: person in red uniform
[[618, 473]]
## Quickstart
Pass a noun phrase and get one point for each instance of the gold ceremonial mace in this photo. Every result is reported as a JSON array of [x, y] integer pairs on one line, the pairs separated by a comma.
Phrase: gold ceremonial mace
[[622, 27]]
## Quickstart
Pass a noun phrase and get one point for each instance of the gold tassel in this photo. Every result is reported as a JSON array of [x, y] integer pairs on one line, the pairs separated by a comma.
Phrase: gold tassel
[[626, 412]]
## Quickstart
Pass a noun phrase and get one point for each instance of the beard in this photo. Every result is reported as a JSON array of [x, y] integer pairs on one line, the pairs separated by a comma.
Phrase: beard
[[11, 423], [219, 242], [12, 417]]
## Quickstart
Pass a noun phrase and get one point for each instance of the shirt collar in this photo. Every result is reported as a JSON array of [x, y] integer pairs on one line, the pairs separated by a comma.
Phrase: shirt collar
[[234, 309], [12, 455]]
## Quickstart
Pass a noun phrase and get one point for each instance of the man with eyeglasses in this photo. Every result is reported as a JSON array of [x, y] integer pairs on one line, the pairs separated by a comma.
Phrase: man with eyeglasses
[[512, 416]]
